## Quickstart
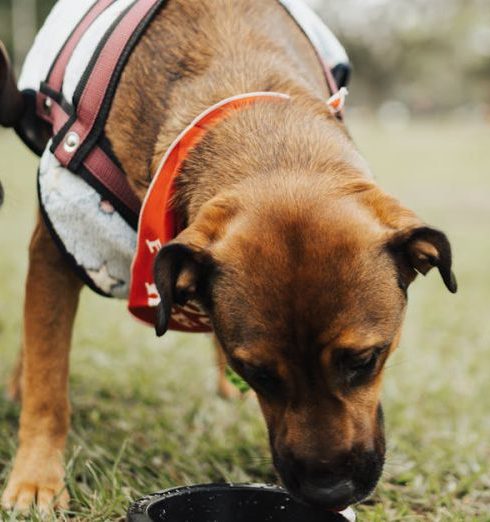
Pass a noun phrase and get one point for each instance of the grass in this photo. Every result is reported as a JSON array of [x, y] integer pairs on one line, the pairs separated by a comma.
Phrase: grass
[[145, 414]]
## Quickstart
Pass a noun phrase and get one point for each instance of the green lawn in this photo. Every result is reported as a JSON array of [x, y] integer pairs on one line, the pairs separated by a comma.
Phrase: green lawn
[[145, 415]]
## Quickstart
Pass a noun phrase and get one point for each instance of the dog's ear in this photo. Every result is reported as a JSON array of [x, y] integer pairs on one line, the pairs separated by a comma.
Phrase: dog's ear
[[422, 249], [179, 271], [183, 267], [11, 100], [416, 247]]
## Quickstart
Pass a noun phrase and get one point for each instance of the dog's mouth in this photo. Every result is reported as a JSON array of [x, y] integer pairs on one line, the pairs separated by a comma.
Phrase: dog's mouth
[[333, 489], [333, 506]]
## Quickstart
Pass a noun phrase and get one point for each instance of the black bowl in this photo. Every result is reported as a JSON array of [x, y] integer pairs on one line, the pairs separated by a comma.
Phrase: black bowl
[[227, 503]]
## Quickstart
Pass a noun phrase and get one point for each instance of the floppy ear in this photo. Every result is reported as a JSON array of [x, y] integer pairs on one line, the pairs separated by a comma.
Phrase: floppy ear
[[416, 247], [424, 248], [180, 272], [11, 100], [183, 267]]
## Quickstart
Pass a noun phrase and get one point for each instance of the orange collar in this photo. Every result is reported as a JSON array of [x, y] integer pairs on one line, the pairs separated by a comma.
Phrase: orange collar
[[157, 223]]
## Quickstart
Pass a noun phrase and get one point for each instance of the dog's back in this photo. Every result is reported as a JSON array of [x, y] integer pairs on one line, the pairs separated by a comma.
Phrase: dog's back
[[222, 48]]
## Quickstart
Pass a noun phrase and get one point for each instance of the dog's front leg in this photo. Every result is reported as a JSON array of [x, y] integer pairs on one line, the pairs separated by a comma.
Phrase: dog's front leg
[[51, 301]]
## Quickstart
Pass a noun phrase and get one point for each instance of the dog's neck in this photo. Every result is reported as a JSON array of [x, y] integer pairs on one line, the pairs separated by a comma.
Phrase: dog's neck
[[296, 138]]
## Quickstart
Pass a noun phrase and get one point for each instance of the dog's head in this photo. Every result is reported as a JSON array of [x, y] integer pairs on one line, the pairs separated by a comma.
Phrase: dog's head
[[306, 290]]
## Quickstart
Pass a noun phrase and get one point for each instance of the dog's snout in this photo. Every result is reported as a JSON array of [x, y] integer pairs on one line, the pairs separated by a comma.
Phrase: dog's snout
[[336, 494], [333, 483]]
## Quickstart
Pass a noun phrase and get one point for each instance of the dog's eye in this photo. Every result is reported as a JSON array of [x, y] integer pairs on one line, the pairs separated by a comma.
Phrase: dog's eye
[[264, 381], [357, 367], [364, 362], [260, 378]]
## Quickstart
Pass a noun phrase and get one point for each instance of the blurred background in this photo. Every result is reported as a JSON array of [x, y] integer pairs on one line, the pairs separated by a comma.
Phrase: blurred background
[[430, 56], [145, 412]]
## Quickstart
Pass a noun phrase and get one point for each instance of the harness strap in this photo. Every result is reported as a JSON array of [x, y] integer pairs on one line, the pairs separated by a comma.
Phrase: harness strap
[[56, 75], [94, 93], [104, 170], [76, 132]]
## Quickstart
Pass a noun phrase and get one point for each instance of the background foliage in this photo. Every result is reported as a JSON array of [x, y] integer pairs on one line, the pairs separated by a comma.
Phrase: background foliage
[[433, 55]]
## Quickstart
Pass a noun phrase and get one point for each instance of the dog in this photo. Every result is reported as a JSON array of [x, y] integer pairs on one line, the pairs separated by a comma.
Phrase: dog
[[300, 260]]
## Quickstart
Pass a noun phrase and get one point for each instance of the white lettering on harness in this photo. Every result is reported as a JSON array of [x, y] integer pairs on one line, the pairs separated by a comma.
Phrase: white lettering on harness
[[154, 246]]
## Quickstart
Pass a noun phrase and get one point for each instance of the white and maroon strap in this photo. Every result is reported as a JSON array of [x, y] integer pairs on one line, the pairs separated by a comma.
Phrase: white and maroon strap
[[89, 106], [54, 81], [76, 130]]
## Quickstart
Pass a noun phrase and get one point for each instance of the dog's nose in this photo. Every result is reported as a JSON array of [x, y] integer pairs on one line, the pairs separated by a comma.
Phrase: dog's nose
[[327, 493]]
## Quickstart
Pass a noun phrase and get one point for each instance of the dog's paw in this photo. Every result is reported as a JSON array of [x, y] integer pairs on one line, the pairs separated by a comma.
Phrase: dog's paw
[[36, 482], [23, 495]]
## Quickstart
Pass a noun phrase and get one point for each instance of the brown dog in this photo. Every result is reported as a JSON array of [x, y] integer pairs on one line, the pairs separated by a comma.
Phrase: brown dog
[[301, 261]]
